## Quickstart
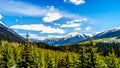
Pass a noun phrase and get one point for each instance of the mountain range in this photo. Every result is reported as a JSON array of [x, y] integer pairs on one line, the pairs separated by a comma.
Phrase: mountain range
[[71, 38], [75, 37], [10, 35], [114, 32]]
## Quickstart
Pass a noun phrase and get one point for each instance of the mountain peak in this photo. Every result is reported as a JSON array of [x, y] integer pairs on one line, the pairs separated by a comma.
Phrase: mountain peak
[[114, 32], [70, 38], [75, 34], [9, 34]]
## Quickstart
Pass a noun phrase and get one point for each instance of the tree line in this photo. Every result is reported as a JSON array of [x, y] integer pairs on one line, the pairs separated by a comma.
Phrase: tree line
[[31, 55]]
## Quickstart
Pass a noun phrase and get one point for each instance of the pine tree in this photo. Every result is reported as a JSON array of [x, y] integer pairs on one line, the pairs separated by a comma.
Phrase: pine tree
[[88, 55], [83, 57], [26, 57], [67, 57], [5, 57], [49, 60], [92, 54], [112, 61], [37, 57]]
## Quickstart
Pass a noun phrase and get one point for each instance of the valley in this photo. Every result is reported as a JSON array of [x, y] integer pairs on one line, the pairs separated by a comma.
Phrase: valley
[[59, 33]]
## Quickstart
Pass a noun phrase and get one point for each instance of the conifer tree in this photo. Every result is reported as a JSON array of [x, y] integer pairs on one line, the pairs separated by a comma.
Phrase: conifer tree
[[67, 57], [5, 58], [112, 61], [12, 54], [92, 54], [26, 58], [83, 57], [88, 55], [37, 57]]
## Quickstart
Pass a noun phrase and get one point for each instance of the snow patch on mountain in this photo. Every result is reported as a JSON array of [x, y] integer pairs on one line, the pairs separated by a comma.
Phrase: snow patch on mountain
[[114, 32], [62, 40]]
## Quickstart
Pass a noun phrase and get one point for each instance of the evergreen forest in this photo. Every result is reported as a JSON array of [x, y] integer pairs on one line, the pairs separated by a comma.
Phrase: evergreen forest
[[40, 55]]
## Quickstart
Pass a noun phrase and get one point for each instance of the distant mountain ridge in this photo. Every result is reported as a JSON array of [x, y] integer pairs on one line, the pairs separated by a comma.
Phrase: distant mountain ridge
[[70, 39], [114, 32], [9, 35], [77, 37]]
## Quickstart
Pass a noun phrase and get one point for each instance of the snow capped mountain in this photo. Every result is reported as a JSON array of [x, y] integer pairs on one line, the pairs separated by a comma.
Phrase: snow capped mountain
[[77, 37], [70, 38], [75, 34], [114, 32], [10, 35], [89, 34]]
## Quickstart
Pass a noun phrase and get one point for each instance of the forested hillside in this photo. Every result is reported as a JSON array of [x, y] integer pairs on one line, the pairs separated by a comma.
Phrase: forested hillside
[[30, 55], [104, 46]]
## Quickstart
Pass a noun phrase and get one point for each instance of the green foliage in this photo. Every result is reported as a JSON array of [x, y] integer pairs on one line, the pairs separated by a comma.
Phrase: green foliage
[[29, 55], [112, 61], [26, 57], [88, 55]]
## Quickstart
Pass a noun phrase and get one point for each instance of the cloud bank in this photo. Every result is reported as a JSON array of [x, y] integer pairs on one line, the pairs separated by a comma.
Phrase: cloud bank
[[50, 17], [49, 14], [39, 27]]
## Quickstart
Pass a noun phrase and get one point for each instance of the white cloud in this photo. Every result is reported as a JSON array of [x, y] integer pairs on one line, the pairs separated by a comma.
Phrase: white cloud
[[49, 36], [50, 17], [73, 33], [74, 23], [19, 8], [71, 25], [34, 36], [77, 29], [89, 34], [77, 20], [39, 27], [1, 16], [76, 2], [88, 28]]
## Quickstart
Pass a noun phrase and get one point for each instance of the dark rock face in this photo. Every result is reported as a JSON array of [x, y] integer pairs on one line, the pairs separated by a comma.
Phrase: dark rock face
[[9, 35]]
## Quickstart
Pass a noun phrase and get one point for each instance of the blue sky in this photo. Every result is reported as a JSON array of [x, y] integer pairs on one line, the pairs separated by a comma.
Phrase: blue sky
[[56, 18]]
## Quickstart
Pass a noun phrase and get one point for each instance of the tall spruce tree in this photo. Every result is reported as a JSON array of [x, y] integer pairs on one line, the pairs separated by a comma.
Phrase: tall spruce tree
[[5, 58], [26, 58], [92, 50], [83, 57], [88, 55], [112, 61]]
